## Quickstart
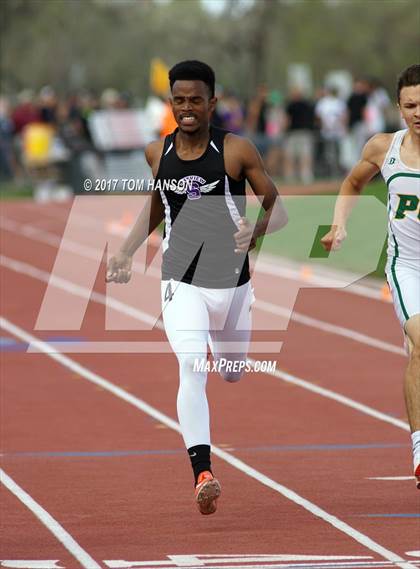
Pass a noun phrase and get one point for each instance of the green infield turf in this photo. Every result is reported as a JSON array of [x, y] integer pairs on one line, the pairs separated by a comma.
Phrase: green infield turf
[[309, 219], [13, 191]]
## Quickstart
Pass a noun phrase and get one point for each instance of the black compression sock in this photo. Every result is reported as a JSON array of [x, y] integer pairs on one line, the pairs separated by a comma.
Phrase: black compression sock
[[200, 459]]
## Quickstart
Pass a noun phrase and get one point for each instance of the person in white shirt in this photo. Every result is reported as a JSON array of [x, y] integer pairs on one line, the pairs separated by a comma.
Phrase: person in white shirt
[[331, 113]]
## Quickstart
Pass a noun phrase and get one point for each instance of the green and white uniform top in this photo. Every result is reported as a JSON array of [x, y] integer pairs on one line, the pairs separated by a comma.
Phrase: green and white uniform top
[[403, 185]]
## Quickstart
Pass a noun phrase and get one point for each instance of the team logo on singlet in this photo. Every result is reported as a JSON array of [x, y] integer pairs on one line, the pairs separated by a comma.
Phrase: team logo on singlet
[[391, 161], [193, 186]]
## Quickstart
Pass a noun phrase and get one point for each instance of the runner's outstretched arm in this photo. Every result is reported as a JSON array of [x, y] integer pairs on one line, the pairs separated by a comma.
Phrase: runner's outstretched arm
[[119, 266], [367, 167], [275, 215]]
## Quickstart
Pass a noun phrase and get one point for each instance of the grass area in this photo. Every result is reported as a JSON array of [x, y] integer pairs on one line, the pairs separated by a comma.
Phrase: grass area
[[310, 216], [378, 189], [11, 190]]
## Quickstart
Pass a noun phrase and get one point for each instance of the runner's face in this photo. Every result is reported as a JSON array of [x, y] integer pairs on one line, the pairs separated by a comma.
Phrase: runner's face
[[192, 105], [410, 107]]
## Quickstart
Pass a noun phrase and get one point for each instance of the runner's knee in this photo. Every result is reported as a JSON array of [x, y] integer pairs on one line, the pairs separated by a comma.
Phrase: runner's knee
[[412, 330], [191, 365], [192, 356], [415, 352], [231, 370], [231, 376]]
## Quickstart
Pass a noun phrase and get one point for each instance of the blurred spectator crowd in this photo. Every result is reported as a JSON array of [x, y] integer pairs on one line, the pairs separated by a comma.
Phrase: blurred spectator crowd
[[48, 139], [302, 138]]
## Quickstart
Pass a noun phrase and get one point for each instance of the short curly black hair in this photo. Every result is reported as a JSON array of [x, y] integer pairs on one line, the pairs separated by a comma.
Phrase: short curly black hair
[[192, 70], [408, 78]]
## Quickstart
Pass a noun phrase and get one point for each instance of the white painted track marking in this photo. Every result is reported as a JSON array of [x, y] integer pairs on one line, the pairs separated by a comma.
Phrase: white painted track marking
[[50, 523], [287, 565], [319, 277], [199, 561], [226, 456], [330, 328], [77, 290], [393, 478], [31, 564], [329, 394]]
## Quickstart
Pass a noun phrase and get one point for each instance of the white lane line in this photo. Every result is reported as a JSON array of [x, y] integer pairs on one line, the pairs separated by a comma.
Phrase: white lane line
[[318, 277], [289, 378], [391, 478], [266, 558], [88, 252], [53, 240], [29, 270], [78, 290], [50, 523], [31, 564], [200, 564], [224, 455], [333, 565], [331, 328]]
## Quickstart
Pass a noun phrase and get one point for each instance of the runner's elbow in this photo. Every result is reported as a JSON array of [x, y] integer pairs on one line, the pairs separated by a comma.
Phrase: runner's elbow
[[353, 185]]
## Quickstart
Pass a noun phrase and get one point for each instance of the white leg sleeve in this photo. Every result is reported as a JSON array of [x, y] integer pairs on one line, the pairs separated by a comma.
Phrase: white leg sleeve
[[186, 323]]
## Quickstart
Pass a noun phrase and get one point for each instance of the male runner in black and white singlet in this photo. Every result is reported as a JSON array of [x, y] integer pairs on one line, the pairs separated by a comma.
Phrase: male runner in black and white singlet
[[200, 173]]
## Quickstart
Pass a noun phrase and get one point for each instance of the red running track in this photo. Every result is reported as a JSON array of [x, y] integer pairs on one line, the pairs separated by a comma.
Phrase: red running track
[[118, 480]]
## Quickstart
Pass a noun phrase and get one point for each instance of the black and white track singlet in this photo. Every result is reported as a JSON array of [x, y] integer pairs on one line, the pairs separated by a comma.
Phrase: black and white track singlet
[[203, 206]]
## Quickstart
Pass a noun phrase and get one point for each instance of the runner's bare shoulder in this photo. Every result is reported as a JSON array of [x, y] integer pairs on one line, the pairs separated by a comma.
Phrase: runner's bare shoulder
[[153, 152], [237, 142], [239, 153], [240, 148], [376, 148]]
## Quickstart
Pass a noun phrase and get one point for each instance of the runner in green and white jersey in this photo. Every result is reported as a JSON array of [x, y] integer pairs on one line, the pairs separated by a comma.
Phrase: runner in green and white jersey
[[403, 266], [397, 157]]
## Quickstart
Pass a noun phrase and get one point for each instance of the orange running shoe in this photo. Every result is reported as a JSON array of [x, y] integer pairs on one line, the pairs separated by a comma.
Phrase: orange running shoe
[[417, 475], [207, 490]]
